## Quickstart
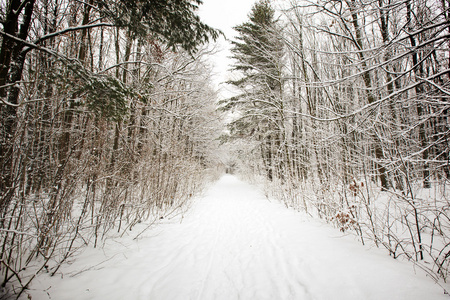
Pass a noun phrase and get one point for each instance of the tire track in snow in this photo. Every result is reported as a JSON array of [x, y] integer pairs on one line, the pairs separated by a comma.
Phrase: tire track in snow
[[289, 287], [210, 262], [265, 258]]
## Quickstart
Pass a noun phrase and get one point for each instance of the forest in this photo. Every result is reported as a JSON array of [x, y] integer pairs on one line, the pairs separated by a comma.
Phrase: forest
[[109, 118], [343, 112]]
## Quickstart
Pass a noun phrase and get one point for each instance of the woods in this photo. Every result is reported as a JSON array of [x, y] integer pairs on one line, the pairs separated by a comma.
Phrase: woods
[[108, 119], [345, 106]]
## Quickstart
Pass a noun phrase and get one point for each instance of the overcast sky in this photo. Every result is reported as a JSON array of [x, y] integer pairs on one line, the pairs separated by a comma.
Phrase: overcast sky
[[224, 15]]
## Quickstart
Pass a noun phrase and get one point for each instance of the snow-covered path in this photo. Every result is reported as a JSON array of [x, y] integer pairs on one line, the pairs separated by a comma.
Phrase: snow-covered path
[[235, 244]]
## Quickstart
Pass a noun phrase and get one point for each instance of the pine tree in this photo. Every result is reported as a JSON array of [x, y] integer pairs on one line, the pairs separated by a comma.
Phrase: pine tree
[[258, 53]]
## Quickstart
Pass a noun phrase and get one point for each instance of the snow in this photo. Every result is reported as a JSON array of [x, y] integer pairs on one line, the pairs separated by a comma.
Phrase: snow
[[236, 244]]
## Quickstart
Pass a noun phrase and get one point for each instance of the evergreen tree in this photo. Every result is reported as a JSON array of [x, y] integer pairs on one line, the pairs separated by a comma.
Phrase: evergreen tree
[[258, 53], [174, 22]]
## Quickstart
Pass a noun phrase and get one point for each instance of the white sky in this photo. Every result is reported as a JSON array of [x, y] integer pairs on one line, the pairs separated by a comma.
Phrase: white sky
[[224, 15]]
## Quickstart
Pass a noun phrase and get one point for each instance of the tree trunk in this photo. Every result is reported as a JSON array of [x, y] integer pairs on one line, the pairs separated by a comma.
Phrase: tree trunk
[[13, 59], [379, 155]]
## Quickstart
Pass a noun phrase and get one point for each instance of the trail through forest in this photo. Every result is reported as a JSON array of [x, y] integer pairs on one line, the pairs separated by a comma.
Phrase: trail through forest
[[236, 244]]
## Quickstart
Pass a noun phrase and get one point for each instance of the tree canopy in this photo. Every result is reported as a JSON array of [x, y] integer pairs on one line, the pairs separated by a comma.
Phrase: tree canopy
[[173, 22]]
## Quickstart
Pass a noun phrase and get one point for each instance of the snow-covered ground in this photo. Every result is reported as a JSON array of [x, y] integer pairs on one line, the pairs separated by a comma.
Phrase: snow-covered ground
[[235, 244]]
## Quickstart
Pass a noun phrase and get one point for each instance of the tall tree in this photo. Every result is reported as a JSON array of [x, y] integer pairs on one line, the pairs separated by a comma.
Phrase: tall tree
[[258, 53]]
